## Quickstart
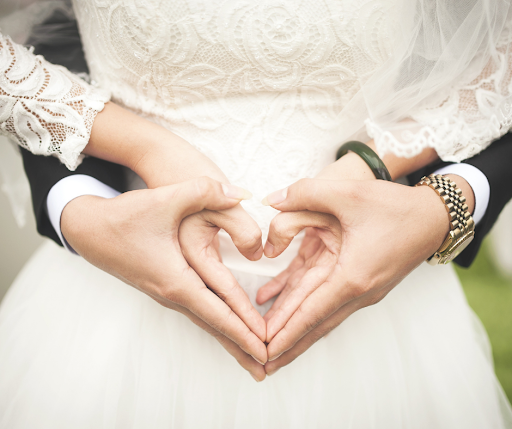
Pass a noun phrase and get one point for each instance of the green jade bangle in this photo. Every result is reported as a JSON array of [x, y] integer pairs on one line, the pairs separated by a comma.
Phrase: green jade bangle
[[367, 155]]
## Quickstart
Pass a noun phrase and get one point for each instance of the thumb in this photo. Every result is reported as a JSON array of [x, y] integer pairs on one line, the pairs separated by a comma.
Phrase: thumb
[[242, 228], [317, 195], [286, 225], [195, 195]]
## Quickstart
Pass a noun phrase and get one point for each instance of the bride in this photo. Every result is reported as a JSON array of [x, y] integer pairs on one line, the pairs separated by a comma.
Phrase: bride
[[257, 95]]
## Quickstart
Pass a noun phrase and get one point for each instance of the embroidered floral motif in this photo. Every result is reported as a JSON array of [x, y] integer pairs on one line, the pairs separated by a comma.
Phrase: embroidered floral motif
[[45, 108], [262, 87]]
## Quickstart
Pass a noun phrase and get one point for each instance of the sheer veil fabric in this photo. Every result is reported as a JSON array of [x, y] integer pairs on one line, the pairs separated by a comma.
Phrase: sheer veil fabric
[[268, 90]]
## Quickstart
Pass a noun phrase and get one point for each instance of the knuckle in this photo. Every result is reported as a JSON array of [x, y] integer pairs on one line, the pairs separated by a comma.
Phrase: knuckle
[[311, 318], [175, 291], [204, 186], [304, 182], [250, 236], [160, 196], [281, 225], [375, 298], [250, 341], [221, 323], [301, 186], [358, 287], [173, 295], [226, 293], [317, 335]]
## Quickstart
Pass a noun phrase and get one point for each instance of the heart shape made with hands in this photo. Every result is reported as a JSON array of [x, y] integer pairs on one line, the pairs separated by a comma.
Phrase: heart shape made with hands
[[331, 277], [315, 261]]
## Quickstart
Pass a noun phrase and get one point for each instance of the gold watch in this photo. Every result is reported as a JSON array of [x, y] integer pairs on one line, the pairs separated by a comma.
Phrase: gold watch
[[462, 226]]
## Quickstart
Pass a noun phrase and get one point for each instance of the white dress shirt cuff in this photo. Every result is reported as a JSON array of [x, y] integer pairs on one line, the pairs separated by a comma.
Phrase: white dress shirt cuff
[[66, 190], [478, 182]]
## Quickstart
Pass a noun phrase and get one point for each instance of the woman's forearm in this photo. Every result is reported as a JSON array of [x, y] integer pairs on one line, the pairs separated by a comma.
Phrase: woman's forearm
[[400, 166], [156, 154], [352, 167]]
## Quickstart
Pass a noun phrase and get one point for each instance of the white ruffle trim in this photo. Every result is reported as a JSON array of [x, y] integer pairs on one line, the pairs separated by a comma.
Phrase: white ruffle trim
[[453, 138]]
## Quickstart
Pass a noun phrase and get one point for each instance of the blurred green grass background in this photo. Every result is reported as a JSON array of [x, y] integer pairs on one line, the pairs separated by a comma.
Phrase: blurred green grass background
[[489, 293]]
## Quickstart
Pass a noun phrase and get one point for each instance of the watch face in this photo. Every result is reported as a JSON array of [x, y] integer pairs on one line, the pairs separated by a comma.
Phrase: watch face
[[459, 247]]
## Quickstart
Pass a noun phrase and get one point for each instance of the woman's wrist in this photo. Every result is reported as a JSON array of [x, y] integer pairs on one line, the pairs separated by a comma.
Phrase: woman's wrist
[[352, 167], [173, 160], [348, 167], [157, 155]]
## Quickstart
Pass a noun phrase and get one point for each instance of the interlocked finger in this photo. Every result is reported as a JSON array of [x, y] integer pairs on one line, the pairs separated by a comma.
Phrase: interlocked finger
[[316, 308], [286, 225], [312, 337], [295, 296], [279, 282], [309, 252], [216, 313]]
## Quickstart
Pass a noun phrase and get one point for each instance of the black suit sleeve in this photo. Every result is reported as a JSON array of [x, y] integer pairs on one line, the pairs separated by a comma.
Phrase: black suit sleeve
[[58, 40], [496, 163]]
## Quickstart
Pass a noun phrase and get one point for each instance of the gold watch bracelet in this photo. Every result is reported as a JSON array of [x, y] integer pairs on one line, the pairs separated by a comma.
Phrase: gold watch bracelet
[[461, 221]]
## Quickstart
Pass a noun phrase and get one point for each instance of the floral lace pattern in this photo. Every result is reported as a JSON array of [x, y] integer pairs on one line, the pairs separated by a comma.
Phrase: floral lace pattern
[[43, 107], [464, 120], [256, 86]]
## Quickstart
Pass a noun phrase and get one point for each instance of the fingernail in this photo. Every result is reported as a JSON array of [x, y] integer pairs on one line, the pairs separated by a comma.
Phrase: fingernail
[[253, 376], [275, 357], [235, 192], [275, 197], [257, 360], [273, 372], [258, 253], [269, 249]]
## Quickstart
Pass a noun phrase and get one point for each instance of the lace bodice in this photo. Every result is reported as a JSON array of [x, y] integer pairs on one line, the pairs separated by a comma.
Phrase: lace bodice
[[270, 89], [45, 108], [257, 86]]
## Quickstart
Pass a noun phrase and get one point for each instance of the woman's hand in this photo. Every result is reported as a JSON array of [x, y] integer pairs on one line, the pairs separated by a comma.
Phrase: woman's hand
[[363, 238], [135, 238]]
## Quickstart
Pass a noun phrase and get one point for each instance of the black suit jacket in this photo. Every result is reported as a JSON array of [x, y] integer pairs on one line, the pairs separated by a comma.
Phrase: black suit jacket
[[496, 163], [61, 45]]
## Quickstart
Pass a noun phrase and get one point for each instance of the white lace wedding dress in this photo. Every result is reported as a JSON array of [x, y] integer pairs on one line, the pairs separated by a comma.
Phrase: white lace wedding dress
[[268, 90]]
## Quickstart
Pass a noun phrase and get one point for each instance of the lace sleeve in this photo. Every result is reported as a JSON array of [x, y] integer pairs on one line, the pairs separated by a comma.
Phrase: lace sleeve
[[467, 103], [43, 107]]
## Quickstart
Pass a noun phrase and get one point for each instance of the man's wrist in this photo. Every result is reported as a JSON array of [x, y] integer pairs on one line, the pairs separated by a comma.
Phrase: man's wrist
[[434, 212], [466, 189], [76, 216], [477, 181], [68, 189], [455, 194]]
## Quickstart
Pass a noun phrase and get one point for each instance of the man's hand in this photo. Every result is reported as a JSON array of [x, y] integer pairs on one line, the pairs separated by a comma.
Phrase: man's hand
[[135, 238], [363, 238], [199, 244]]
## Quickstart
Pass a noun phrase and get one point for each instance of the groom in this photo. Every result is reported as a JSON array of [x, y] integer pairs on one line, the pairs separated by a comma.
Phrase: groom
[[54, 188]]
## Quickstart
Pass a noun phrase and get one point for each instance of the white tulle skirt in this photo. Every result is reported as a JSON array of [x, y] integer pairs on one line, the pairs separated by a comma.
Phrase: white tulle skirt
[[80, 349]]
